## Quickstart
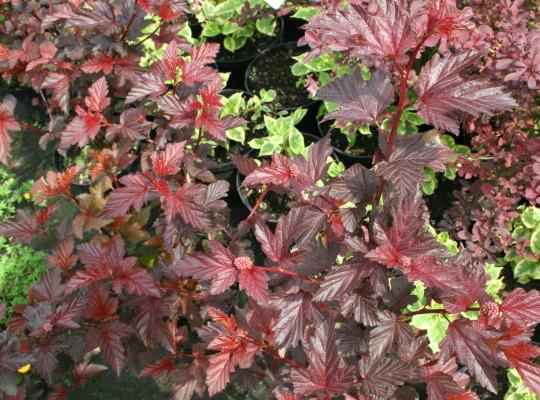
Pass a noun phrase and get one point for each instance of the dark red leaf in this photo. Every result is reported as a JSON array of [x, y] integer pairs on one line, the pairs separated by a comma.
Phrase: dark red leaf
[[22, 229], [97, 99], [151, 321], [381, 377], [463, 338], [101, 306], [58, 83], [165, 366], [168, 161], [216, 265], [325, 374], [522, 307], [185, 204], [389, 330], [8, 124], [135, 192], [360, 102], [49, 288], [83, 372], [255, 283], [64, 257], [108, 337], [148, 85], [444, 92], [519, 357], [411, 154]]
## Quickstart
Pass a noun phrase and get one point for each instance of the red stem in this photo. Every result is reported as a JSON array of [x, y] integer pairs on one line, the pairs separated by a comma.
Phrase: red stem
[[288, 273], [26, 125], [402, 97], [434, 311]]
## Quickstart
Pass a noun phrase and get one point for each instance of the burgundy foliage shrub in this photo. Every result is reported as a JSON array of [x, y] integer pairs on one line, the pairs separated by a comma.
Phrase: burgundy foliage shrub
[[150, 272]]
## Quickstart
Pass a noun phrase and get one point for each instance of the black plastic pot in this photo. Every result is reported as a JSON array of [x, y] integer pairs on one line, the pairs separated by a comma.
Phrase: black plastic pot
[[309, 122], [237, 66], [347, 158], [293, 31], [245, 200]]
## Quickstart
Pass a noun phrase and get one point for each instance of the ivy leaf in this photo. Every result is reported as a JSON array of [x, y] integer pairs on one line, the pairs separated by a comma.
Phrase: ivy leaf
[[325, 376], [444, 92], [360, 102]]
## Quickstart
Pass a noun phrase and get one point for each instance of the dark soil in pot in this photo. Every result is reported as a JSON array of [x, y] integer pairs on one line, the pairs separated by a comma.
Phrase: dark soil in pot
[[361, 152], [236, 63], [272, 70]]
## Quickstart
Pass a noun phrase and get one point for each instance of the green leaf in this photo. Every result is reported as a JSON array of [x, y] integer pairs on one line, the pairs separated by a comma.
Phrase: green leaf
[[266, 26], [256, 143], [335, 168], [495, 283], [535, 241], [210, 29], [298, 115], [229, 28], [300, 69], [296, 142], [227, 7], [267, 149], [461, 149], [430, 182], [271, 124], [237, 134], [267, 95], [305, 13], [245, 32], [526, 269], [435, 326], [448, 141], [231, 44], [233, 105], [531, 217]]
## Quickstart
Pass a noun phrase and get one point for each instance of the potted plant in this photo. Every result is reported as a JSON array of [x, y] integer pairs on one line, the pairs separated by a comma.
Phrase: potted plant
[[242, 28]]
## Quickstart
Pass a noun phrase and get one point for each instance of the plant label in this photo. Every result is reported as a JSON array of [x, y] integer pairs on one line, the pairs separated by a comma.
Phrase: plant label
[[275, 3]]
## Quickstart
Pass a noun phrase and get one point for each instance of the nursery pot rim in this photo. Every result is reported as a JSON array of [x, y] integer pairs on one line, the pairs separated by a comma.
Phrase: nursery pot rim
[[344, 153]]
